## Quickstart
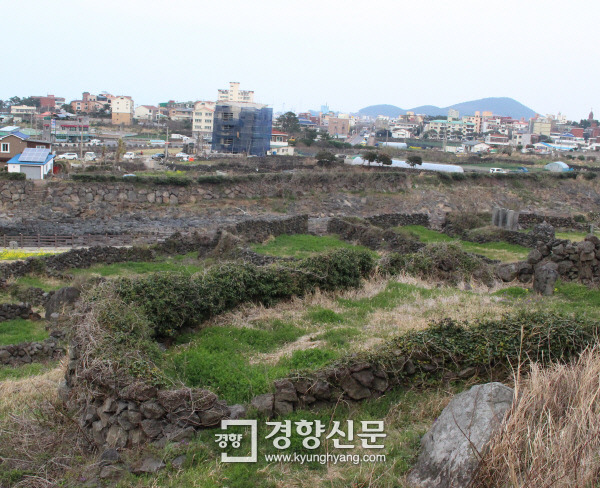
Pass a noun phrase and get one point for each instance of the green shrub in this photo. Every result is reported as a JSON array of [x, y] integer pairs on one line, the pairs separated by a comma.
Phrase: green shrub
[[439, 261], [516, 338], [172, 301], [590, 175], [12, 176]]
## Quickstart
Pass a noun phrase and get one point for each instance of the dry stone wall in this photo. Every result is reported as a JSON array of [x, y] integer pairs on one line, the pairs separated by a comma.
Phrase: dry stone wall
[[10, 311], [28, 352]]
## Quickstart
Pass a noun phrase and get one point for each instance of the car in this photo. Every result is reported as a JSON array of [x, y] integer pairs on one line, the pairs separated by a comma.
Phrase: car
[[128, 155], [158, 156], [90, 156], [497, 170], [95, 142], [67, 156], [182, 155]]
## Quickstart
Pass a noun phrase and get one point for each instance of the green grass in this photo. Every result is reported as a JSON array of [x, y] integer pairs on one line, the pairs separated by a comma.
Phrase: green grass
[[43, 282], [218, 358], [574, 236], [502, 251], [300, 245], [21, 330], [24, 371], [137, 268]]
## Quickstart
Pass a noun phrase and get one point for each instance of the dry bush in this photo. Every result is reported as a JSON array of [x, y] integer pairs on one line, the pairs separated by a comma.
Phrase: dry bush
[[552, 437]]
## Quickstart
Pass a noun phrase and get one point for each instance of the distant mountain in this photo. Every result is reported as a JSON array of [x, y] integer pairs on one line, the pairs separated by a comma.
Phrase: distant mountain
[[497, 105]]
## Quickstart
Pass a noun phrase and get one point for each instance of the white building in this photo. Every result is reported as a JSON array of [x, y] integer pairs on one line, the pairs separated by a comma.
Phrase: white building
[[234, 94], [202, 119], [146, 112]]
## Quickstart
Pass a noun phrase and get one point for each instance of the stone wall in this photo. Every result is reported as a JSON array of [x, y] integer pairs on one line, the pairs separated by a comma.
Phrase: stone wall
[[371, 236], [10, 311], [28, 352], [260, 230], [75, 258], [527, 219], [71, 198], [387, 221]]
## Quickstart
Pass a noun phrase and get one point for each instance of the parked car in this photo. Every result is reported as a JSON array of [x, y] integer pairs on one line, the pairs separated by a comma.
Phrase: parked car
[[497, 170], [90, 156], [521, 169], [67, 156], [128, 156], [95, 142], [182, 155], [158, 156]]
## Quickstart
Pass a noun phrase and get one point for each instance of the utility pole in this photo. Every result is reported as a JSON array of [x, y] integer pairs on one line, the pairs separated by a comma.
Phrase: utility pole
[[81, 138], [167, 143]]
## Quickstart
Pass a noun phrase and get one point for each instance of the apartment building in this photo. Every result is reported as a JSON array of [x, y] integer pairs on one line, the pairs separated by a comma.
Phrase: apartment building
[[234, 94], [202, 120], [122, 110], [22, 110], [338, 127], [240, 127]]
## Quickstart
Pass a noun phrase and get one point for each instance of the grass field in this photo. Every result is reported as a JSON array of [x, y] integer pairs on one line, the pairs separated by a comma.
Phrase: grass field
[[502, 251], [21, 330], [300, 245]]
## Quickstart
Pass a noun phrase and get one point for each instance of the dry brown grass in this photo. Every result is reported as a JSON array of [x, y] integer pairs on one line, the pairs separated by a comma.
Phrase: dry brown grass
[[552, 437]]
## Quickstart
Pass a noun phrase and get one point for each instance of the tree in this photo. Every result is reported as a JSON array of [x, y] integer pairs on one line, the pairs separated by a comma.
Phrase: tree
[[414, 160], [325, 158], [309, 136], [370, 156], [120, 150], [383, 158], [289, 123], [31, 102]]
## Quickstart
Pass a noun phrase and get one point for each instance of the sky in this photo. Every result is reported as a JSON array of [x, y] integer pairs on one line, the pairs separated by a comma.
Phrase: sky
[[299, 55]]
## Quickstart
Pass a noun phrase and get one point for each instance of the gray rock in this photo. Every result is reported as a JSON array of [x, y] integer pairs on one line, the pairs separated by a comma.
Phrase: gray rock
[[285, 391], [61, 299], [110, 455], [116, 436], [152, 410], [263, 404], [449, 451], [534, 256], [283, 408], [152, 428], [353, 388], [178, 461], [544, 278], [111, 472], [214, 415], [237, 411], [507, 272], [364, 377], [147, 465]]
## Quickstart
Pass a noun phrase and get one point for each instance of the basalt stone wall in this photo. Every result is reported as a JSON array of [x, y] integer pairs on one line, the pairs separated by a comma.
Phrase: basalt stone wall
[[10, 311], [259, 230], [31, 294], [387, 221], [371, 236], [70, 198], [530, 219], [573, 261], [137, 413], [29, 352], [75, 258]]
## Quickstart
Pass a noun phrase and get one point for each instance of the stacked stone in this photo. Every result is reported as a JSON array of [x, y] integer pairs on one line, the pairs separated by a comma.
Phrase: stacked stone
[[10, 311], [260, 230], [28, 352], [387, 221]]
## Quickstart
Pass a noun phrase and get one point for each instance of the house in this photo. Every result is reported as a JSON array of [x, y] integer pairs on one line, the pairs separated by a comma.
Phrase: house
[[475, 147], [338, 127], [146, 112], [16, 142], [279, 144], [22, 110], [35, 163], [497, 139]]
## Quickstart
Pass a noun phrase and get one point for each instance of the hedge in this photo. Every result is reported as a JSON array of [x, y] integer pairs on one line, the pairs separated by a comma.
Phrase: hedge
[[173, 301]]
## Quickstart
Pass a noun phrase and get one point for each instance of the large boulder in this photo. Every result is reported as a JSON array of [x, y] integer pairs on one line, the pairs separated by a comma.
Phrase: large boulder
[[544, 278], [65, 297], [450, 450]]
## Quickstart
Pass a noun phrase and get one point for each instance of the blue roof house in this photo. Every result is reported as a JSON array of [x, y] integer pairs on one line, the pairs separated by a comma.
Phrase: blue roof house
[[36, 163]]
